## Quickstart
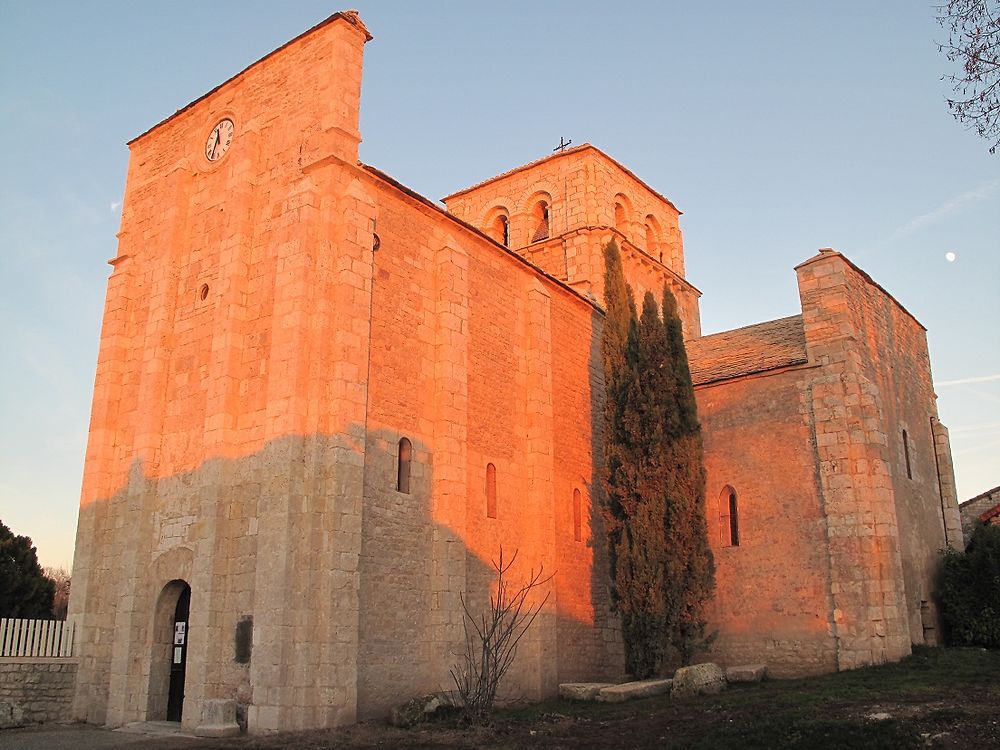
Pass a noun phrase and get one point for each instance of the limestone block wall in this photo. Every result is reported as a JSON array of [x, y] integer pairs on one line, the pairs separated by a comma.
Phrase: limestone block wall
[[881, 494], [582, 186], [35, 690], [896, 359], [591, 200], [891, 352], [853, 434], [772, 602], [226, 445], [953, 521], [854, 466], [485, 366], [589, 634]]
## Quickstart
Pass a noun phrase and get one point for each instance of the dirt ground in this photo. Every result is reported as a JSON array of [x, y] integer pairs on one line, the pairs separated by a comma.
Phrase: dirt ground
[[940, 698], [947, 723]]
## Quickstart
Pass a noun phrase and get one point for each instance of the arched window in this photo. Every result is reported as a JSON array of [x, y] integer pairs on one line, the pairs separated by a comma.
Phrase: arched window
[[619, 217], [623, 214], [653, 236], [403, 466], [491, 491], [497, 225], [729, 518], [540, 221], [577, 516]]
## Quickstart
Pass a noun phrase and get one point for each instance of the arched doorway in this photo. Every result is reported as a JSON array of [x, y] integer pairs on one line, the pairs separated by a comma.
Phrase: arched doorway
[[168, 664]]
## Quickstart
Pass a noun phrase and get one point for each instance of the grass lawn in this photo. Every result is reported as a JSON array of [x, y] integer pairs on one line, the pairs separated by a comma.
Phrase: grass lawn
[[946, 698]]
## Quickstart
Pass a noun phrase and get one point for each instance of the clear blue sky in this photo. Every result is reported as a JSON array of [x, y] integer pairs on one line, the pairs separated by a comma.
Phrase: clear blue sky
[[777, 127]]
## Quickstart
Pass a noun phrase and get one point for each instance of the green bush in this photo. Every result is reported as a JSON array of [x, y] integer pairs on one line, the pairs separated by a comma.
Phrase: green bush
[[969, 591]]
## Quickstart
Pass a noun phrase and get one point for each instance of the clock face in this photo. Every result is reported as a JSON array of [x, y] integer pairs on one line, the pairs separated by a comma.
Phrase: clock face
[[219, 140]]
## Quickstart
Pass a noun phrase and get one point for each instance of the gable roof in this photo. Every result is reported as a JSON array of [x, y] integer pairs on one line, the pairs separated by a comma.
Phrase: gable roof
[[350, 16], [559, 155], [826, 252], [413, 194], [747, 350]]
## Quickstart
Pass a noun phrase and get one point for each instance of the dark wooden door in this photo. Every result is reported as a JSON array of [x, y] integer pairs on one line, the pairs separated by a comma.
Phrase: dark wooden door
[[175, 699]]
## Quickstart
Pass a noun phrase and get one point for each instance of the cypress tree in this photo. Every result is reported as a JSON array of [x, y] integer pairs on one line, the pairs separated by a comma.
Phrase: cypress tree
[[689, 563], [653, 510], [636, 567]]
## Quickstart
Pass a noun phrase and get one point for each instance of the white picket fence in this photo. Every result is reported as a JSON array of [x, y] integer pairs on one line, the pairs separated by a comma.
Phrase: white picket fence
[[31, 638]]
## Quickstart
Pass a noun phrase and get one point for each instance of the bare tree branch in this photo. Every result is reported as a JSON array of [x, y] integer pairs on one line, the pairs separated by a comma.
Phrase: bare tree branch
[[973, 28], [491, 639]]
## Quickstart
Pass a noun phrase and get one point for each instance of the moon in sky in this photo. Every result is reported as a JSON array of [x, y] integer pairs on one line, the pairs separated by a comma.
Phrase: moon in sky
[[950, 256]]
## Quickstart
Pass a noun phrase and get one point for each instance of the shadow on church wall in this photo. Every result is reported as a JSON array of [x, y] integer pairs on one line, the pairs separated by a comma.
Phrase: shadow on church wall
[[353, 587]]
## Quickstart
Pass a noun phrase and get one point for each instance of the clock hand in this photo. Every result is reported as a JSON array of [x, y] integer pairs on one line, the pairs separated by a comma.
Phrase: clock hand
[[218, 136]]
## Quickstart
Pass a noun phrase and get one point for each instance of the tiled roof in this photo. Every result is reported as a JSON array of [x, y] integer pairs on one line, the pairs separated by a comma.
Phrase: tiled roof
[[743, 351], [980, 496]]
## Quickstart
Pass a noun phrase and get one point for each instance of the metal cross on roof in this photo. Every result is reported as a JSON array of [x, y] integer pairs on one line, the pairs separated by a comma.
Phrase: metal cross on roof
[[563, 144]]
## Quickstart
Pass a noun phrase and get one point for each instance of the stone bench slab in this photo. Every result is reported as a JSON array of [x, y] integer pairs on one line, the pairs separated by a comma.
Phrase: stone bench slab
[[630, 690], [582, 691], [746, 673]]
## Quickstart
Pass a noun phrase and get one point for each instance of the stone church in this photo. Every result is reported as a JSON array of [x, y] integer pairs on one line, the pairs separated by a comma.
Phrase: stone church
[[323, 403]]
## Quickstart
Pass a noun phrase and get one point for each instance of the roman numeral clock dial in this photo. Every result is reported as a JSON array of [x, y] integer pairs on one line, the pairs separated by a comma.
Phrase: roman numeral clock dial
[[219, 140]]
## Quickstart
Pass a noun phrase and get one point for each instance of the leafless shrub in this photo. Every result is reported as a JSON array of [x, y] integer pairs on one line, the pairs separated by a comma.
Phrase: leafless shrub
[[491, 639], [60, 599]]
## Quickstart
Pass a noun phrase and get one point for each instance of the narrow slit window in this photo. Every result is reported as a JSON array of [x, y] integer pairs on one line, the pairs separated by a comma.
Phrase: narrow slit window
[[403, 466], [906, 455], [729, 518], [491, 491], [734, 520], [577, 516]]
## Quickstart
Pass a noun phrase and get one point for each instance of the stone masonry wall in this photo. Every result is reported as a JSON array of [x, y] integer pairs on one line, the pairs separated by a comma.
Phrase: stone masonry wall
[[228, 419], [772, 602], [853, 434], [477, 359], [582, 187], [953, 521], [35, 690], [897, 361], [885, 518]]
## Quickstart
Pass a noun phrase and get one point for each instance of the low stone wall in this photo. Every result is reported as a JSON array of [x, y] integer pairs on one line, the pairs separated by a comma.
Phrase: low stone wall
[[35, 690]]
